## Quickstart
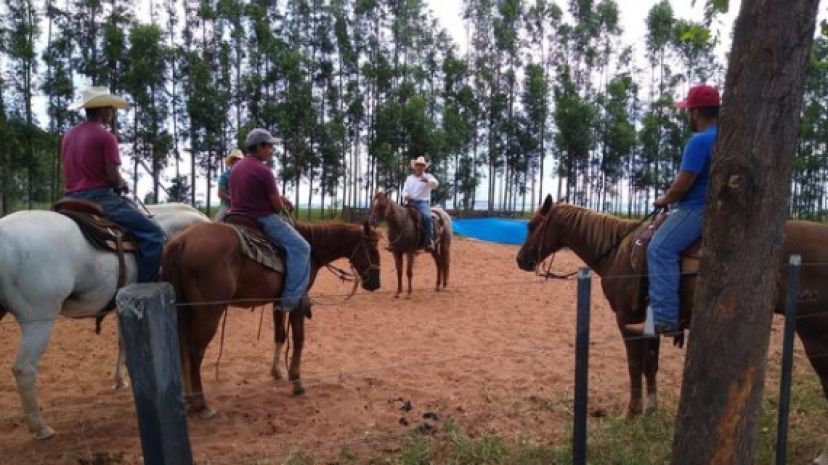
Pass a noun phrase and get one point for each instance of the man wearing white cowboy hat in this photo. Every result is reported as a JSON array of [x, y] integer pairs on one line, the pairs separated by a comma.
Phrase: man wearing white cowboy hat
[[91, 163], [417, 192]]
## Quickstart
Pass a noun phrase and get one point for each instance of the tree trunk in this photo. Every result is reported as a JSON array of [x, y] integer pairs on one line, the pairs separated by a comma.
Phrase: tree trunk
[[749, 190]]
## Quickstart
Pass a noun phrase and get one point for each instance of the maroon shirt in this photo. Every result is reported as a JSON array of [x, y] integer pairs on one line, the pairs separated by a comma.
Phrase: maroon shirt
[[87, 149], [251, 185]]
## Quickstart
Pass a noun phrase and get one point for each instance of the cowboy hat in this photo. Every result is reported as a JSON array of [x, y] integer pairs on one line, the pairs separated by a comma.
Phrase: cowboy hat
[[98, 97], [236, 154], [420, 161]]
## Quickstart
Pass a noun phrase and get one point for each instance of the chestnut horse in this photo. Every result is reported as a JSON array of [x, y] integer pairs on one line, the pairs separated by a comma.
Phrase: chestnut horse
[[404, 238], [206, 266], [590, 235]]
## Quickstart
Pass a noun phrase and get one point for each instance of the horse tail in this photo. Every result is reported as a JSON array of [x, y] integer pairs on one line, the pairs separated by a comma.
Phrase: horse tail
[[172, 272], [171, 266]]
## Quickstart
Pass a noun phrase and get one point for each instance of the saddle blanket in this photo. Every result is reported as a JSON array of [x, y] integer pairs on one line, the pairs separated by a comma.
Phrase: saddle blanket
[[258, 248]]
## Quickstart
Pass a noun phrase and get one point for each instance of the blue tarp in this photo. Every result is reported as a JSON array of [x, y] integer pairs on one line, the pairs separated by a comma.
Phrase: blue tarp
[[503, 231]]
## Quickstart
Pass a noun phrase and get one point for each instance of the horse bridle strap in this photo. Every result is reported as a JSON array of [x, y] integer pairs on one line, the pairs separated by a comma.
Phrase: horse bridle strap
[[353, 275], [548, 274]]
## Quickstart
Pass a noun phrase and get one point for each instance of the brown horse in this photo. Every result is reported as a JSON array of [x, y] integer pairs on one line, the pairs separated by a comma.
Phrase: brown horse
[[206, 266], [404, 238], [590, 235]]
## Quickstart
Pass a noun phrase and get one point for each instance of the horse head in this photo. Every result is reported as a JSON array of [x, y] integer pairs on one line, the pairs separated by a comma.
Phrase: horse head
[[379, 207], [366, 258], [542, 240]]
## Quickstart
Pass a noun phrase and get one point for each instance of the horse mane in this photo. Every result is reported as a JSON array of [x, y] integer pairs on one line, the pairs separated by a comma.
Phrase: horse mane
[[601, 230], [328, 233]]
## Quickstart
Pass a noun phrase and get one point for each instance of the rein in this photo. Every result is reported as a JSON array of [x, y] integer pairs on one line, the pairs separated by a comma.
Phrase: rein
[[353, 275], [548, 274]]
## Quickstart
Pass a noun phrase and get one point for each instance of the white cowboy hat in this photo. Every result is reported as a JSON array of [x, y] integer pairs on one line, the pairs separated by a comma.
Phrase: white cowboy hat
[[420, 161], [98, 97]]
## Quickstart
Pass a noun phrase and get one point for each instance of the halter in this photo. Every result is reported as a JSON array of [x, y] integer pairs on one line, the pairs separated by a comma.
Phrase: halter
[[548, 274]]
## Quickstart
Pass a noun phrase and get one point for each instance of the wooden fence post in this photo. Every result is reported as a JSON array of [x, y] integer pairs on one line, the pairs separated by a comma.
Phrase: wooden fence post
[[794, 268], [147, 319], [579, 431]]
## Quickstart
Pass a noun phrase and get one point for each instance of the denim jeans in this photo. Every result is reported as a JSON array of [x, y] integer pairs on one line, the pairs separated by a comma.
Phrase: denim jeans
[[150, 236], [679, 231], [297, 257], [425, 210]]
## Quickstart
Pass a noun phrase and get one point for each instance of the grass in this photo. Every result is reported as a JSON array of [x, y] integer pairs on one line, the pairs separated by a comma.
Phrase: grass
[[613, 440]]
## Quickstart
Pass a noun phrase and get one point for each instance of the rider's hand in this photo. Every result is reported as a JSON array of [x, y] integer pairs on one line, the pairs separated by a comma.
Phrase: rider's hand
[[123, 189], [287, 204], [661, 202], [423, 178]]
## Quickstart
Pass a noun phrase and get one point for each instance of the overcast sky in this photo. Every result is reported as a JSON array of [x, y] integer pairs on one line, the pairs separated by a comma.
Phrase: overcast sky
[[633, 15]]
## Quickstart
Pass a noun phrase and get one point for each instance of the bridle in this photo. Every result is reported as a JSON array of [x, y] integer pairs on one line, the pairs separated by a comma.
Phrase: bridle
[[354, 275], [548, 274]]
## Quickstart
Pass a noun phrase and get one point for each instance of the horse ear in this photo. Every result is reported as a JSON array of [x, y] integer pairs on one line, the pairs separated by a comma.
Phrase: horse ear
[[547, 204]]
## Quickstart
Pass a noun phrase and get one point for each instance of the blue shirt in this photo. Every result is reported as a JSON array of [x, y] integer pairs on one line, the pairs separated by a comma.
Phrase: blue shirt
[[696, 159]]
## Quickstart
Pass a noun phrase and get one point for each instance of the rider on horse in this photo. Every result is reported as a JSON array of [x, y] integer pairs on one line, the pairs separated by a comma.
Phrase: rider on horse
[[253, 192], [417, 192], [224, 184], [684, 225], [91, 162]]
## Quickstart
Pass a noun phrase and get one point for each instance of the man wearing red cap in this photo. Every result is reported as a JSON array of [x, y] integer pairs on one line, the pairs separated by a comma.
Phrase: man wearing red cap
[[684, 225]]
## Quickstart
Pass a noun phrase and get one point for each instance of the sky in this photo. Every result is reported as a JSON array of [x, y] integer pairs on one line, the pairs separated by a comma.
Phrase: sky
[[632, 20]]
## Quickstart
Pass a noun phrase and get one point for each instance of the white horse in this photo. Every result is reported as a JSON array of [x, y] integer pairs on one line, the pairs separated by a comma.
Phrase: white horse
[[47, 268]]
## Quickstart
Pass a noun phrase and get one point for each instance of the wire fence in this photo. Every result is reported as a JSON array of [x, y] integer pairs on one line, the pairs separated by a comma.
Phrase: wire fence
[[607, 348]]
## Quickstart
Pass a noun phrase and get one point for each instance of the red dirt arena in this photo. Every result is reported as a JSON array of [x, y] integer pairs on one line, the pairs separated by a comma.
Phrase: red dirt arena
[[494, 353]]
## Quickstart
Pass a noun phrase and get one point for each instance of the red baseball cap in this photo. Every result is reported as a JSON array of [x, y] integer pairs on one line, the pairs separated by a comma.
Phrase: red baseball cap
[[702, 96]]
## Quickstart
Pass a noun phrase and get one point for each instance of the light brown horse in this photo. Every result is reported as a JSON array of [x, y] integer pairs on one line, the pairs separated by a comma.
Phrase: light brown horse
[[404, 238], [206, 266], [589, 235]]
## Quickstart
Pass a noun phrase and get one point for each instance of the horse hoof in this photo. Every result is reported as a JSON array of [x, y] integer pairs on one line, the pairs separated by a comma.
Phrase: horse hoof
[[45, 433], [277, 374], [396, 296], [207, 414], [299, 390], [119, 386]]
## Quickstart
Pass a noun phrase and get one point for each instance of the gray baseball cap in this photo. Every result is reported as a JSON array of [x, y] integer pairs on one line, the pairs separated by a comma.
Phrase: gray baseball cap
[[259, 136]]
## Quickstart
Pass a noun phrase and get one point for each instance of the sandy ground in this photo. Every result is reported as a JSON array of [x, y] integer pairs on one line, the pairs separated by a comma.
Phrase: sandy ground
[[492, 354]]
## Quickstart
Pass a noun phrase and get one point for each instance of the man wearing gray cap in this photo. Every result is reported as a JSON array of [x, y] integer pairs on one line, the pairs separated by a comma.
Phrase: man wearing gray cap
[[253, 192]]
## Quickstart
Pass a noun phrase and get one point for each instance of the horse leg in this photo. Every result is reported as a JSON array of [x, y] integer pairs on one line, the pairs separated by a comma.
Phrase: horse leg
[[120, 382], [445, 259], [297, 326], [279, 337], [813, 337], [438, 263], [398, 263], [204, 323], [409, 271], [651, 350], [33, 343], [635, 366]]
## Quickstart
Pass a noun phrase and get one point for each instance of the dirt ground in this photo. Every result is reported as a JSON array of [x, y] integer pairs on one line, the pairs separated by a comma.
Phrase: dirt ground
[[492, 354]]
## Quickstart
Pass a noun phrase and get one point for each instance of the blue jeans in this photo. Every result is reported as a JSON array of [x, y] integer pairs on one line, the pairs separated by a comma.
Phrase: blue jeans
[[149, 235], [679, 231], [297, 256], [425, 211]]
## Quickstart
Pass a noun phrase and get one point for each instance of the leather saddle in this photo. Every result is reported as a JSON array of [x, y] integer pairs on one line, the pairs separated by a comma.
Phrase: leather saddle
[[99, 231], [690, 257], [103, 235], [417, 218], [255, 244]]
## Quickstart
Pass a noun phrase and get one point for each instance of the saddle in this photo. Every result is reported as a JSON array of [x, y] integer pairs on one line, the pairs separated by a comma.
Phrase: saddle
[[417, 218], [255, 244], [103, 235], [690, 258]]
